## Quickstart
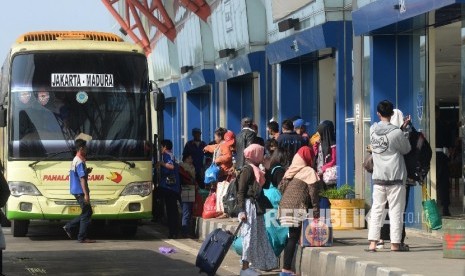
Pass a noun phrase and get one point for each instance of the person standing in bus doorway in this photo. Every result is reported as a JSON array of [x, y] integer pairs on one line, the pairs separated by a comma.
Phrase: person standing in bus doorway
[[79, 188], [194, 148]]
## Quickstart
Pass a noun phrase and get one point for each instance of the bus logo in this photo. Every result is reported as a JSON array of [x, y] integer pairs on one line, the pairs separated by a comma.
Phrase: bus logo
[[115, 177]]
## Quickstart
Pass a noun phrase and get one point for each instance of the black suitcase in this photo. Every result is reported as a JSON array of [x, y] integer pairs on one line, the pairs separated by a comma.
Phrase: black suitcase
[[214, 249]]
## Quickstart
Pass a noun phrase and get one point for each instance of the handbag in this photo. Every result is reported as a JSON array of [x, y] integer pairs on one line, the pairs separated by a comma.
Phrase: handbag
[[209, 207], [316, 232], [330, 175], [211, 174], [368, 162], [430, 208]]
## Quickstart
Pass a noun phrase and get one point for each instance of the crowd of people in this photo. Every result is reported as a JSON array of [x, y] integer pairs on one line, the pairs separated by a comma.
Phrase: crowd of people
[[299, 165], [290, 156]]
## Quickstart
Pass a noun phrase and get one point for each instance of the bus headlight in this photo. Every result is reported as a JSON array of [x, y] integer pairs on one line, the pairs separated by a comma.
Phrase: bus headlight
[[23, 188], [138, 188]]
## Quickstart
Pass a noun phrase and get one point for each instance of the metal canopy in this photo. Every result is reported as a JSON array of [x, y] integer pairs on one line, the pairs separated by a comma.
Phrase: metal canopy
[[155, 16]]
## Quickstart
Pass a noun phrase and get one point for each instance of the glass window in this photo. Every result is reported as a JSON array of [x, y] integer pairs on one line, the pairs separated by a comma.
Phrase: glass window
[[49, 107]]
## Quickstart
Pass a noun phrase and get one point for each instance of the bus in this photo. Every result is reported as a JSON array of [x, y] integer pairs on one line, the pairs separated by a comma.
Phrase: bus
[[55, 87]]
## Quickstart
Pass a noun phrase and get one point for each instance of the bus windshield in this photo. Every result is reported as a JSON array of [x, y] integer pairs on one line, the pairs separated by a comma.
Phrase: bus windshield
[[58, 95]]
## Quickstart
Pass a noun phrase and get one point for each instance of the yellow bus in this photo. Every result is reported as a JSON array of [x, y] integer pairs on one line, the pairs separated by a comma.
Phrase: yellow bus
[[56, 86]]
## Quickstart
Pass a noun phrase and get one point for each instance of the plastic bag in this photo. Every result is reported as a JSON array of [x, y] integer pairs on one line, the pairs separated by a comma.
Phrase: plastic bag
[[211, 174], [209, 207], [273, 195], [330, 175], [430, 208]]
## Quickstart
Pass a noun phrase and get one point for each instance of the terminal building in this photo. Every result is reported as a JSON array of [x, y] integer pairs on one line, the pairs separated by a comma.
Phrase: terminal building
[[218, 61]]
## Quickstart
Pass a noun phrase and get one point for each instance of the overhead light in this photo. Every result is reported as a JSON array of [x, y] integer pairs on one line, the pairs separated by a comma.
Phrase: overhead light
[[228, 52], [290, 23], [186, 69], [123, 31]]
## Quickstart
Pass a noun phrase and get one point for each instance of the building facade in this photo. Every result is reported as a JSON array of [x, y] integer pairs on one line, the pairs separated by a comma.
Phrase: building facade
[[320, 60]]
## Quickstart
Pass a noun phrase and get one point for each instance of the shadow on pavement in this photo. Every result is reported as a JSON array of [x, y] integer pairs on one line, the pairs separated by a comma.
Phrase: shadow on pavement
[[95, 262]]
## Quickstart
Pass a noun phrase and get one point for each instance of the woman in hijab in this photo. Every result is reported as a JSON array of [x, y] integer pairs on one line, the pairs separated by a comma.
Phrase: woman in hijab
[[298, 195], [256, 249], [325, 149]]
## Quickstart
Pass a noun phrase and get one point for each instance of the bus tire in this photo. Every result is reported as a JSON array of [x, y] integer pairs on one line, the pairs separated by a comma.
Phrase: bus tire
[[128, 230], [19, 228]]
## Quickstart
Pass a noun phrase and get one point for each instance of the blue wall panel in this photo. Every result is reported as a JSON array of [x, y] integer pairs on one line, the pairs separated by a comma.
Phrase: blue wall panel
[[240, 101], [171, 120], [199, 113], [383, 74], [299, 93]]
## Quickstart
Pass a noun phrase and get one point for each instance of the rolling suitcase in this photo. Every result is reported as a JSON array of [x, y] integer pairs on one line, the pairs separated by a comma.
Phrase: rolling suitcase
[[214, 249]]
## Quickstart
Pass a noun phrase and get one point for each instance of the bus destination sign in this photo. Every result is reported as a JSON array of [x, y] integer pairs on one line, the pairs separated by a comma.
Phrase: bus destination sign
[[82, 80]]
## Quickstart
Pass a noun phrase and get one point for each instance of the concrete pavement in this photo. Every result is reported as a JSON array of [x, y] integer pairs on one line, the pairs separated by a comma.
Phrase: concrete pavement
[[47, 251], [347, 256]]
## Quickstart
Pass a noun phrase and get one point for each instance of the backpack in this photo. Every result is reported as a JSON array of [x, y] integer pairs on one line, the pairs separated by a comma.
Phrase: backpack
[[418, 159], [230, 202]]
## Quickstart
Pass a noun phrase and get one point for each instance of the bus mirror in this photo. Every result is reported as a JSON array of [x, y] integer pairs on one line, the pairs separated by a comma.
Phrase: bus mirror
[[159, 100], [3, 116]]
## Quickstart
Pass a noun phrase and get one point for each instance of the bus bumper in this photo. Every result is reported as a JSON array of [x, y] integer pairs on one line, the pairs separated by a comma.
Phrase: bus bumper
[[42, 208]]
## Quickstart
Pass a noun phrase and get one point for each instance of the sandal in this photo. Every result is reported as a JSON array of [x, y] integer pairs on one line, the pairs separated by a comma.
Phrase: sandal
[[380, 245], [402, 248]]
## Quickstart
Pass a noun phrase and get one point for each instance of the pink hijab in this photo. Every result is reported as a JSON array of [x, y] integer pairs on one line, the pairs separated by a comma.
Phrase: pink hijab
[[255, 153]]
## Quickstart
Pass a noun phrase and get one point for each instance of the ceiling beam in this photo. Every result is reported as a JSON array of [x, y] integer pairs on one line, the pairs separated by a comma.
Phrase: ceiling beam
[[131, 22], [199, 7]]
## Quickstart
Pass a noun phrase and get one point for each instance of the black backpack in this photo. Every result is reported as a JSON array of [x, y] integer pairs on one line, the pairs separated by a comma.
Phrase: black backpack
[[418, 159], [230, 203]]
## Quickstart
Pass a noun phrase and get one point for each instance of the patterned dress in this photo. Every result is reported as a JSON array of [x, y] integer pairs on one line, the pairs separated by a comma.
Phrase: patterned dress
[[257, 249]]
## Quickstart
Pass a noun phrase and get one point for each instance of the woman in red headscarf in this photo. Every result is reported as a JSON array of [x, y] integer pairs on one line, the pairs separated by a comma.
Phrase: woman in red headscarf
[[302, 189]]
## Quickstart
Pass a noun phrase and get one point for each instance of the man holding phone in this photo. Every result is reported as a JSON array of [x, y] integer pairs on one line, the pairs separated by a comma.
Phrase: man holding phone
[[79, 188]]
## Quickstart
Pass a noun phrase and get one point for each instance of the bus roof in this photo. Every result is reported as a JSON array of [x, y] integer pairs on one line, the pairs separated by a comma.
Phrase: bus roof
[[72, 40]]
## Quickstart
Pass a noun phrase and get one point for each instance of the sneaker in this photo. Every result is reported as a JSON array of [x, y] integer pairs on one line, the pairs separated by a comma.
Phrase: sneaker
[[68, 233], [249, 272]]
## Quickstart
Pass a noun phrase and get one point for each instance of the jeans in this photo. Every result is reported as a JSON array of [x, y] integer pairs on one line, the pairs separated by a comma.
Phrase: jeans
[[395, 196], [171, 204], [83, 220], [186, 217]]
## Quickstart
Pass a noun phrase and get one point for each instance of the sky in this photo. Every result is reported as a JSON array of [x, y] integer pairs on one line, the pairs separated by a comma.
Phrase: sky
[[21, 16]]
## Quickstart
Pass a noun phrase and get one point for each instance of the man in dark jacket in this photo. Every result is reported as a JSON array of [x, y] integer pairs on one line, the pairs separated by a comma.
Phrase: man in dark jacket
[[289, 140], [244, 139], [194, 148]]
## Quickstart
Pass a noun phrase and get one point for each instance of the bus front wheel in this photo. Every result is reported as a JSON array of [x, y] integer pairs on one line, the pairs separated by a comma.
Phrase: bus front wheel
[[19, 228]]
